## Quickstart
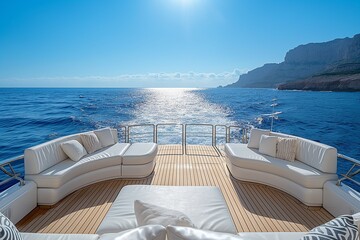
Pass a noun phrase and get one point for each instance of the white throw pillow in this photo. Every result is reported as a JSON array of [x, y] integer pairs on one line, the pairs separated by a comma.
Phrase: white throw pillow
[[255, 136], [73, 149], [105, 136], [149, 232], [147, 214], [286, 148], [268, 145], [8, 231], [186, 233], [91, 142]]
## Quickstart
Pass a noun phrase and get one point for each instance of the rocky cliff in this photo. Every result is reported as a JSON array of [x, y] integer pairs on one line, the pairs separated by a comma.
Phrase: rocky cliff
[[304, 62], [343, 77]]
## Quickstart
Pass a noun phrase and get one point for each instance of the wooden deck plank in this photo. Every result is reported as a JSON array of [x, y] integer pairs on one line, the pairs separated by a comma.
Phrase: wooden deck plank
[[253, 207]]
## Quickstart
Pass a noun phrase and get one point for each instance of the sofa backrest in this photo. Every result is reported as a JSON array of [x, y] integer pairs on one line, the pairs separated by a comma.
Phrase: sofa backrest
[[317, 155], [45, 155]]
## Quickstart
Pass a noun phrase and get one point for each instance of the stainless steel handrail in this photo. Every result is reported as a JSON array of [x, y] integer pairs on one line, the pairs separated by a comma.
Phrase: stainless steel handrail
[[229, 133], [216, 127], [129, 127], [171, 124], [10, 160], [352, 172], [201, 125], [11, 172]]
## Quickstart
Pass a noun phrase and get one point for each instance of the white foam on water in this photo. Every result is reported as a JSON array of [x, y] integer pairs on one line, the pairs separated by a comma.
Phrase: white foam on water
[[179, 106]]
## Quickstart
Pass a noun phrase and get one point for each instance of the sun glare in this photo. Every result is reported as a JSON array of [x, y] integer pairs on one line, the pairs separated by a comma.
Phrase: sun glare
[[184, 3]]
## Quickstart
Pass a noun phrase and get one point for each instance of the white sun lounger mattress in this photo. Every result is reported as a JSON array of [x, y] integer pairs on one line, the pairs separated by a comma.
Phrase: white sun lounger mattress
[[205, 206]]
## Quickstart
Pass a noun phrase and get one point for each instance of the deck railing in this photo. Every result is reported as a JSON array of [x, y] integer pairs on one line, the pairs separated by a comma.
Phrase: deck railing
[[211, 133], [153, 132], [7, 168], [352, 172]]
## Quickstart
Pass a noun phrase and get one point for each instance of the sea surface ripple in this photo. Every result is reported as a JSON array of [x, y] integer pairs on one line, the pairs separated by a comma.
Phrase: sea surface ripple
[[32, 116]]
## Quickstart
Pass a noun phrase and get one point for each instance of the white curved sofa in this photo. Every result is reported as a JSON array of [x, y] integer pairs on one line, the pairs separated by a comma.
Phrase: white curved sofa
[[314, 164], [57, 176]]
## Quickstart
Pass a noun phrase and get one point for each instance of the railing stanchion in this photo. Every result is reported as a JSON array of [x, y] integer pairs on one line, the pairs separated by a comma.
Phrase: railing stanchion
[[11, 172], [127, 134], [154, 134], [185, 139], [182, 138], [351, 172], [227, 134]]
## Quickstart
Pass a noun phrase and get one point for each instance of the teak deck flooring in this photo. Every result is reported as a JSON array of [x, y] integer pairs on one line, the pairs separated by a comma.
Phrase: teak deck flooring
[[253, 207]]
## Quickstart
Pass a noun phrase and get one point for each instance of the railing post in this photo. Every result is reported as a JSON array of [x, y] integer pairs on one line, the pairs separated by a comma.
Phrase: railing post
[[127, 134], [154, 132], [227, 134], [185, 140], [213, 134], [244, 137], [182, 138]]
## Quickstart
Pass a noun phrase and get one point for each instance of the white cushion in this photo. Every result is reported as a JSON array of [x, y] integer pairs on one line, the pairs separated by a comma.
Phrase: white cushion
[[255, 136], [140, 153], [105, 137], [90, 141], [286, 148], [205, 206], [186, 233], [59, 174], [8, 229], [268, 145], [53, 236], [147, 214], [149, 232], [307, 176], [73, 149]]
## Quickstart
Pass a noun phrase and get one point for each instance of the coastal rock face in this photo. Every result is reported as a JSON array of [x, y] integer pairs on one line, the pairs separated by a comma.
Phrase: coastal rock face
[[343, 77], [304, 62]]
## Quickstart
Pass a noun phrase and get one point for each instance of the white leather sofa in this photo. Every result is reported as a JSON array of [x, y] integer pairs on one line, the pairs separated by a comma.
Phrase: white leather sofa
[[314, 165], [57, 176]]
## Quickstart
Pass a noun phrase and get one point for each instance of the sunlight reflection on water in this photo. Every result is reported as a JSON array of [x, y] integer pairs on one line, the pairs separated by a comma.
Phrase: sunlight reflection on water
[[178, 105]]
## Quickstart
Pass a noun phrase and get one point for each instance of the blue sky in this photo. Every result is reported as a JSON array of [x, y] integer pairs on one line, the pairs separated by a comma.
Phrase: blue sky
[[158, 43]]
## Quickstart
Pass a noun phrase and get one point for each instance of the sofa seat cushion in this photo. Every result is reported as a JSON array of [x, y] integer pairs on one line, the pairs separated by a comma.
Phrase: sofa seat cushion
[[243, 157], [205, 206], [59, 174], [140, 153], [51, 236]]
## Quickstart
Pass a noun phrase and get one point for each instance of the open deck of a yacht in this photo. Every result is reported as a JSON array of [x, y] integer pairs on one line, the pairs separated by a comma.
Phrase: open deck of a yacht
[[254, 207]]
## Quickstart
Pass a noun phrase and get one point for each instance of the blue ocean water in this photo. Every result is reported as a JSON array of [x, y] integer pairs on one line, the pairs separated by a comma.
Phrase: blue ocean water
[[32, 116]]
